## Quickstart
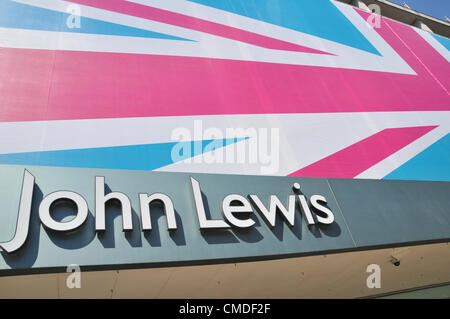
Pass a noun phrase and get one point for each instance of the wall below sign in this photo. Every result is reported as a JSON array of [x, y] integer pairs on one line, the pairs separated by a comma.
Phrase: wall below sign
[[324, 276]]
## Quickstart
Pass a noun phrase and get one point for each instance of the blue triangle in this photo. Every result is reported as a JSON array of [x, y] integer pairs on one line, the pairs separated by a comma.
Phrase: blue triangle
[[133, 157], [433, 164], [23, 16], [444, 41], [316, 17]]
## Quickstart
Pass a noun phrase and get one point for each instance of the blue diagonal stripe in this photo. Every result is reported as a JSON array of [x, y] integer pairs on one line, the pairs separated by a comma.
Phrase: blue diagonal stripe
[[316, 17], [134, 157], [23, 16], [430, 165], [444, 41]]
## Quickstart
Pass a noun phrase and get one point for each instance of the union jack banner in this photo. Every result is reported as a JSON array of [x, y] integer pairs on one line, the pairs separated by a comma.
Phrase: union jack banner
[[104, 84]]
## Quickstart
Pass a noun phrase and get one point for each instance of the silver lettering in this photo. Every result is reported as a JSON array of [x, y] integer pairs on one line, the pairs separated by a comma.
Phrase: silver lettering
[[23, 219]]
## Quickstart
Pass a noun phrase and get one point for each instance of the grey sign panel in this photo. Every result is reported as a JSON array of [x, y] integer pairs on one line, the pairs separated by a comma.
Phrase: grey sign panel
[[376, 213], [381, 212]]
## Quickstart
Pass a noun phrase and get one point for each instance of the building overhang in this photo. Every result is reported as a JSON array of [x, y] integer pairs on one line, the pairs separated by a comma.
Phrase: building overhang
[[408, 16]]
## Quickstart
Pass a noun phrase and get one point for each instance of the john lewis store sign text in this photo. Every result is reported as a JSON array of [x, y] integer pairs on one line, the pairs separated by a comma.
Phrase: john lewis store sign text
[[236, 209]]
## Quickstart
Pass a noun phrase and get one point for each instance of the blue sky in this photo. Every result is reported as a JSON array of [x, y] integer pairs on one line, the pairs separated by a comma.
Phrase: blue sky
[[435, 8]]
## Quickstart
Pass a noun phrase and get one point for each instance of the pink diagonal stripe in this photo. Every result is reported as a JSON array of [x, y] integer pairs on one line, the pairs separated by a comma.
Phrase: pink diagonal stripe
[[357, 158], [184, 21], [38, 85]]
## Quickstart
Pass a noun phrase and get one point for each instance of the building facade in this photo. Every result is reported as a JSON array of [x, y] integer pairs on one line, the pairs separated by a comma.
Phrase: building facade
[[328, 124]]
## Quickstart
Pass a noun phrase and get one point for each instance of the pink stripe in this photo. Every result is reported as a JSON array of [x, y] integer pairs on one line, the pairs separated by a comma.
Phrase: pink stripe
[[59, 85], [428, 58], [185, 21], [357, 158]]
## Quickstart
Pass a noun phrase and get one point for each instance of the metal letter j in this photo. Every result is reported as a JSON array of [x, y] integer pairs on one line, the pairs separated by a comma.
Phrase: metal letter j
[[23, 220]]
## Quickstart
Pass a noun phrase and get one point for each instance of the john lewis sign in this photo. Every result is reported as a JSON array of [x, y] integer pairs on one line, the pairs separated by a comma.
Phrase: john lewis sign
[[233, 206]]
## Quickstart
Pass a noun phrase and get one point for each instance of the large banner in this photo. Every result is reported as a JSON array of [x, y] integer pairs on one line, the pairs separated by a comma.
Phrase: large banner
[[268, 87]]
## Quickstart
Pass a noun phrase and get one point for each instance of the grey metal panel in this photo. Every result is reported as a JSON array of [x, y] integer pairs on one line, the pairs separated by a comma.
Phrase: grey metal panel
[[438, 292], [381, 212]]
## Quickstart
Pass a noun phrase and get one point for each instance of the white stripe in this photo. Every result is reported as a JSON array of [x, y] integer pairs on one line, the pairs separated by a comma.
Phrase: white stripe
[[304, 138], [307, 138], [206, 45]]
